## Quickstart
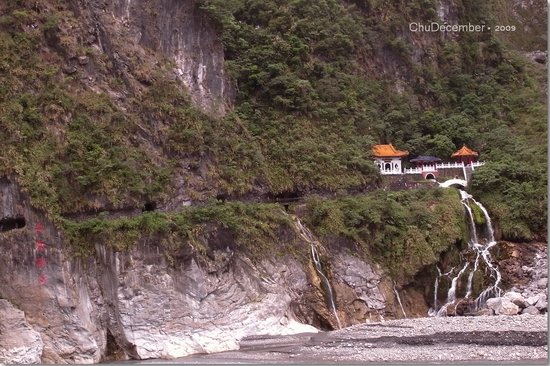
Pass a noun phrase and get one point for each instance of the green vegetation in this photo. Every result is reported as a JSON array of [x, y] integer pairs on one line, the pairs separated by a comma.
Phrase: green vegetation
[[479, 217], [404, 230], [318, 81], [252, 228]]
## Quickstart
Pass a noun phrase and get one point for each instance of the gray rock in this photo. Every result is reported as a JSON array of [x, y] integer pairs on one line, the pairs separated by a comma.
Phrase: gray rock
[[493, 303], [485, 312], [532, 300], [69, 69], [360, 276], [532, 310], [517, 299], [502, 306], [83, 60], [542, 304], [542, 283], [19, 343]]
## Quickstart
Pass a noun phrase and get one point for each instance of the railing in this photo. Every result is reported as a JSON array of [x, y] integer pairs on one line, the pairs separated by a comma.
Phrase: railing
[[449, 165], [431, 168], [424, 169], [412, 171], [391, 172], [477, 163]]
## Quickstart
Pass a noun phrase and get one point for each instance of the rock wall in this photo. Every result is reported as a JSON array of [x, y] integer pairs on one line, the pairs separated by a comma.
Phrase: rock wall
[[181, 32], [141, 304], [19, 343]]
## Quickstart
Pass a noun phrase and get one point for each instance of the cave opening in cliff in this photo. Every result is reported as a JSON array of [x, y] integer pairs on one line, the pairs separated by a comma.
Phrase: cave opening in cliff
[[11, 223], [149, 206], [286, 196]]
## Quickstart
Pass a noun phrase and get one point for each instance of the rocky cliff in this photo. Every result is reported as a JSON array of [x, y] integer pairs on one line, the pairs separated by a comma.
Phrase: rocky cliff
[[140, 138], [138, 304]]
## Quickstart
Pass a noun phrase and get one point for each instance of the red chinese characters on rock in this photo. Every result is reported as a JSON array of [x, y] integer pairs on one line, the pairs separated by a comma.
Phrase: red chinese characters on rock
[[42, 279], [40, 262], [39, 229], [40, 247]]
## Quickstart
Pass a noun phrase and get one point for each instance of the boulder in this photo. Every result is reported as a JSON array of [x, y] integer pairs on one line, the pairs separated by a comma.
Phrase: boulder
[[542, 304], [19, 342], [542, 283], [532, 300], [516, 298], [485, 312], [530, 310], [502, 306]]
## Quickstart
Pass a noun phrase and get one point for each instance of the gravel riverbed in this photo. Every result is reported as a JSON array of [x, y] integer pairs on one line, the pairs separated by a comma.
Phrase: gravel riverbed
[[520, 339]]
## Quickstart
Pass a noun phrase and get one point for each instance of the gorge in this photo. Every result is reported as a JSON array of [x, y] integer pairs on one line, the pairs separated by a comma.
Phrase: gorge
[[181, 178]]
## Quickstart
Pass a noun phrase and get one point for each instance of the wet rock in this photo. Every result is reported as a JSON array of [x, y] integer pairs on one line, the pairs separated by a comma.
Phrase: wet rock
[[516, 298], [502, 306], [532, 310], [19, 343]]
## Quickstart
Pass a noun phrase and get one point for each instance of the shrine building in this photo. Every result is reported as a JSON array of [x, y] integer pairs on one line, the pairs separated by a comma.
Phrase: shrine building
[[465, 155], [388, 158]]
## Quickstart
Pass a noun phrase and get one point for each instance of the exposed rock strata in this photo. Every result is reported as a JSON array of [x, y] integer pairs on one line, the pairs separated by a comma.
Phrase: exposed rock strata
[[19, 343], [139, 304]]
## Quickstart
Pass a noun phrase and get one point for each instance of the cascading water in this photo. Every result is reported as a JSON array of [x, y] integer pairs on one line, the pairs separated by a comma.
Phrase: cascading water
[[482, 255], [308, 237], [399, 300]]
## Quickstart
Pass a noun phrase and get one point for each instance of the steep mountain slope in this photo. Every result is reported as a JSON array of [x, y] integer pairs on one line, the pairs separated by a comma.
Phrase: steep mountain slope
[[206, 112], [101, 104]]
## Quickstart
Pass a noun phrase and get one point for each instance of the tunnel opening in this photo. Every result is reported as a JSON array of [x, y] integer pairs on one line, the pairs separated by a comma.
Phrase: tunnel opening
[[12, 223], [286, 196], [149, 206]]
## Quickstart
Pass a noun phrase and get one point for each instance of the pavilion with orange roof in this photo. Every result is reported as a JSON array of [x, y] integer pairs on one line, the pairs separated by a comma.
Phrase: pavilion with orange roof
[[465, 155], [388, 158]]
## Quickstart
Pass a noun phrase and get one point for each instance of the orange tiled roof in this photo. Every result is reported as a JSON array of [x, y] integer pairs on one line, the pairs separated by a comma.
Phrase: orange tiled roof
[[464, 151], [387, 151]]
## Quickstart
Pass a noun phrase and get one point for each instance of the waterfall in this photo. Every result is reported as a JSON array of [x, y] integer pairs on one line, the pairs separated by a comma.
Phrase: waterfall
[[399, 300], [309, 238], [451, 295], [471, 276], [326, 283], [482, 254], [433, 311], [473, 232]]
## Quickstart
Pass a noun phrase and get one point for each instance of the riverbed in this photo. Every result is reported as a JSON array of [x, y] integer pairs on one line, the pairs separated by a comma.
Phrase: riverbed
[[520, 339]]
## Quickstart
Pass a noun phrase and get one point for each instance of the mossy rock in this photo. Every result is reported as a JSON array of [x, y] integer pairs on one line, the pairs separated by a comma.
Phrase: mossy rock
[[479, 217]]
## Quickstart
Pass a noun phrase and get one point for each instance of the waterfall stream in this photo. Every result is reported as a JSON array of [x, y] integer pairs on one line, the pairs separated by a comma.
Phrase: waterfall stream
[[310, 238], [399, 300], [480, 246]]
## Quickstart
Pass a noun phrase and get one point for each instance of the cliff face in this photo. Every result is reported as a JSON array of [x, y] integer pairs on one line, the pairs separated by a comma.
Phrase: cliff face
[[177, 30], [132, 31], [139, 304], [99, 103]]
